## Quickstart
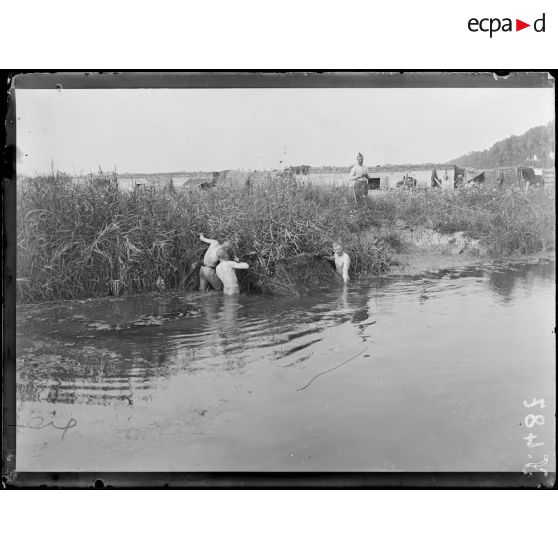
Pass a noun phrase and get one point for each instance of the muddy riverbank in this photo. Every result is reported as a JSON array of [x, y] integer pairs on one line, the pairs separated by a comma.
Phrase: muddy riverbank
[[421, 249]]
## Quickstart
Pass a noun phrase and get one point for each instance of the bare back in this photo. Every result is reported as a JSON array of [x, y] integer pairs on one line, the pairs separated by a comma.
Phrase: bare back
[[210, 258], [225, 272]]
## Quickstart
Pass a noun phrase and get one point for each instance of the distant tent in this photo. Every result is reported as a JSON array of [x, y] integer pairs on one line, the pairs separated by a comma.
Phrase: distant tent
[[194, 182]]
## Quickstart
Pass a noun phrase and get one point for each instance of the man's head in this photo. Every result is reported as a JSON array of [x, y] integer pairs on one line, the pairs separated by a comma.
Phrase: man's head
[[227, 245], [338, 248], [222, 254], [360, 159]]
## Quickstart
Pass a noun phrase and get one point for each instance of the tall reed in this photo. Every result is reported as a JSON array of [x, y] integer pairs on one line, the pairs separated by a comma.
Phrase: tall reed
[[83, 239], [508, 220]]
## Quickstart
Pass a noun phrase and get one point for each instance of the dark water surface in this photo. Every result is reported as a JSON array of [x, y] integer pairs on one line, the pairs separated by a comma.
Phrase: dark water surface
[[425, 373]]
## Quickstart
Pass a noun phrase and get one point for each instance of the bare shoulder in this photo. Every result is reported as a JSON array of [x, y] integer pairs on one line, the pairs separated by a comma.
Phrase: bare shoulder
[[346, 258]]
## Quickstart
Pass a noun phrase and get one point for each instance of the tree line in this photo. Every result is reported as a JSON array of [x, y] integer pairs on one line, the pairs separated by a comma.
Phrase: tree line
[[534, 148]]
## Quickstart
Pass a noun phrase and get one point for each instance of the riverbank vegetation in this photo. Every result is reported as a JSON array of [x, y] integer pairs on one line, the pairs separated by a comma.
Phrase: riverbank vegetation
[[507, 221], [93, 238]]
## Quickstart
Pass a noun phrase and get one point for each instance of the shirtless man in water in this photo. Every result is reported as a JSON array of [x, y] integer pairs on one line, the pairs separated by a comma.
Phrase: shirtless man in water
[[225, 272], [342, 261], [208, 275]]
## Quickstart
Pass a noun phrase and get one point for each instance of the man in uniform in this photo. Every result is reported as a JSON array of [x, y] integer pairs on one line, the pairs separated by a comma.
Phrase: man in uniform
[[358, 178]]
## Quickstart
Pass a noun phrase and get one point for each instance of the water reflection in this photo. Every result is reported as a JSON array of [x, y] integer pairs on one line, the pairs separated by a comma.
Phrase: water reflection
[[504, 280], [99, 377], [61, 360]]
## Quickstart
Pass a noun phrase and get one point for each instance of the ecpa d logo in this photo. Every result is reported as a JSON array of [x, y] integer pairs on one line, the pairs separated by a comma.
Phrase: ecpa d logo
[[494, 24]]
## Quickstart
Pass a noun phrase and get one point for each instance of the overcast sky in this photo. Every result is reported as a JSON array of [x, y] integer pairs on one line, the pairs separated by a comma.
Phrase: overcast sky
[[158, 130]]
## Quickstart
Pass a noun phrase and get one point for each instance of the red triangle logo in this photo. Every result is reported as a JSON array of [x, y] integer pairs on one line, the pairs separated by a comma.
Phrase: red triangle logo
[[519, 25]]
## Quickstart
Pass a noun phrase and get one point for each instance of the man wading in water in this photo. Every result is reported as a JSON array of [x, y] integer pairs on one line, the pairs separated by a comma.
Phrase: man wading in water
[[225, 272], [359, 179], [208, 275], [342, 261]]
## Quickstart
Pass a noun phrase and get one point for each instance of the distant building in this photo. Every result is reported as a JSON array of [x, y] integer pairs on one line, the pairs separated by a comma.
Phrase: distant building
[[515, 177], [443, 177]]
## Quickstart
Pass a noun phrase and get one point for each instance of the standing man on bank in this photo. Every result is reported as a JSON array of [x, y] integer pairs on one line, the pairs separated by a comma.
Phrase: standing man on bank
[[358, 178]]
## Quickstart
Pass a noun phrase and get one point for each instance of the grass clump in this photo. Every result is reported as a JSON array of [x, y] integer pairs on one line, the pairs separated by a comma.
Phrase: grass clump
[[507, 220]]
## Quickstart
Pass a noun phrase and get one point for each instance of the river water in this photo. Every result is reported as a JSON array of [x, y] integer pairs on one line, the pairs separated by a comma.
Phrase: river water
[[406, 373]]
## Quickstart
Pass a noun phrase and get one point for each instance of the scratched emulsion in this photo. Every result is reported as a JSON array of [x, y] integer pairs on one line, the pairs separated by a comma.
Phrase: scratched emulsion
[[423, 373]]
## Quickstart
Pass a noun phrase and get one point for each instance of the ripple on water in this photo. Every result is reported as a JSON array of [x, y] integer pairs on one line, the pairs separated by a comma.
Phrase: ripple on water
[[120, 366]]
